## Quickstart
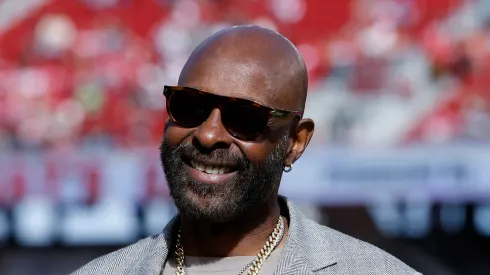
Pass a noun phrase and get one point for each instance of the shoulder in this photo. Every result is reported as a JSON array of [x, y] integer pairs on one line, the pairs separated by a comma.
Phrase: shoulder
[[352, 255], [328, 251], [125, 260]]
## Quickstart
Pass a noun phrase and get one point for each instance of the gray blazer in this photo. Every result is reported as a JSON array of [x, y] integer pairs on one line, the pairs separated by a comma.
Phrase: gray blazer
[[310, 248]]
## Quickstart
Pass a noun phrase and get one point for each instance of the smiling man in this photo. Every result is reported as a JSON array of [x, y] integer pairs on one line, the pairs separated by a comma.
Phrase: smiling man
[[236, 124]]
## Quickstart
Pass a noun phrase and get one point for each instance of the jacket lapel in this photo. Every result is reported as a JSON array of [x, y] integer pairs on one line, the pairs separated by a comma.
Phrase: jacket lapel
[[292, 261], [156, 255], [305, 251]]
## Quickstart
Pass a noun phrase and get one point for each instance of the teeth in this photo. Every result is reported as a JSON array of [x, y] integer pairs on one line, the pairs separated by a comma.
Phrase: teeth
[[210, 169], [197, 165]]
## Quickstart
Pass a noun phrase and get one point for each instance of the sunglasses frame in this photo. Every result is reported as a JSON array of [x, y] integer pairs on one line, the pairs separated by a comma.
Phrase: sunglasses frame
[[168, 91]]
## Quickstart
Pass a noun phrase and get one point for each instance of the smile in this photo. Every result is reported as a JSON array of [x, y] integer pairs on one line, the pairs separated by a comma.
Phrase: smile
[[210, 169], [210, 173]]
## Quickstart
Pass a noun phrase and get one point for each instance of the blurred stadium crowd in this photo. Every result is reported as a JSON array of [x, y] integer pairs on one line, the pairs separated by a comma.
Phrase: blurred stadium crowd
[[89, 73], [82, 75]]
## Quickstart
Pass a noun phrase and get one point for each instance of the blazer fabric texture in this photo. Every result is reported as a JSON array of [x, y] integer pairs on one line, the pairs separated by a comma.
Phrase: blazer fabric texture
[[310, 248]]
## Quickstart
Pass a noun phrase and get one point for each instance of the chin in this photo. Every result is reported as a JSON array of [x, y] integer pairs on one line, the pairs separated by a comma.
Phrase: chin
[[208, 208]]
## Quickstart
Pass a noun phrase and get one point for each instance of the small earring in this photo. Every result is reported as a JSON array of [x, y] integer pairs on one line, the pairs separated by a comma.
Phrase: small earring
[[288, 169]]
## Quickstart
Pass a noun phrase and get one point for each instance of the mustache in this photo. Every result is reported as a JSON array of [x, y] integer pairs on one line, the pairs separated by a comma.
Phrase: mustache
[[190, 151]]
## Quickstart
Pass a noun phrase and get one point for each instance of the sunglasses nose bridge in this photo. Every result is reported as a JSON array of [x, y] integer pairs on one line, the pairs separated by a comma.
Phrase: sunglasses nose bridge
[[212, 133]]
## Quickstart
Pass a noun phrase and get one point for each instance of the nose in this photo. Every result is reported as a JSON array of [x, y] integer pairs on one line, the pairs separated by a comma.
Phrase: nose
[[211, 134]]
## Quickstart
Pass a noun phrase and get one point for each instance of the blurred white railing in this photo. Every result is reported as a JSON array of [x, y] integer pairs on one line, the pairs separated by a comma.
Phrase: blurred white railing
[[323, 175], [370, 176]]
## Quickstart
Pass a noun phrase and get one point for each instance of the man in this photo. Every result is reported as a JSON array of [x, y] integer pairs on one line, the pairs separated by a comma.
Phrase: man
[[235, 125]]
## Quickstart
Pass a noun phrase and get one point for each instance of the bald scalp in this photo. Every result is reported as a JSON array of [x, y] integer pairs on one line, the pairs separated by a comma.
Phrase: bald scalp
[[254, 62]]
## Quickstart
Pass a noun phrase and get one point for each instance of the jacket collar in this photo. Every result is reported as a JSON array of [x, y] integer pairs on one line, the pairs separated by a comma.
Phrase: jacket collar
[[305, 249]]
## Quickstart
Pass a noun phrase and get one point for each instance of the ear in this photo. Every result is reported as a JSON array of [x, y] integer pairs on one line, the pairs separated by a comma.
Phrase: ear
[[300, 139]]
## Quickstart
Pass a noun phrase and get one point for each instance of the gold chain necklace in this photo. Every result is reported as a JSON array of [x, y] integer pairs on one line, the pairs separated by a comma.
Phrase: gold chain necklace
[[269, 246]]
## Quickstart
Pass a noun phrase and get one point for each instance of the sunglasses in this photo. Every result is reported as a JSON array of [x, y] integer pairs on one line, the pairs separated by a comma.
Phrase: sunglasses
[[243, 119]]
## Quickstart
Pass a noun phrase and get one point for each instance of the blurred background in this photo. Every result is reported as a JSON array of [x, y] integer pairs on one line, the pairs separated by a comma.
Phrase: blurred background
[[399, 91]]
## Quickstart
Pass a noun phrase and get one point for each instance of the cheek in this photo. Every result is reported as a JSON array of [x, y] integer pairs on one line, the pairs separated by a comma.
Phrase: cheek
[[257, 152], [175, 135]]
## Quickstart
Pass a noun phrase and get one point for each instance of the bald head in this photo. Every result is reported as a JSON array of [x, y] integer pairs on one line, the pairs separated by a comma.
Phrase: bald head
[[249, 62]]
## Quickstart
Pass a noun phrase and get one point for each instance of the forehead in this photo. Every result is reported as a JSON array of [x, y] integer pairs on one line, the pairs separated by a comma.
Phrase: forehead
[[248, 79]]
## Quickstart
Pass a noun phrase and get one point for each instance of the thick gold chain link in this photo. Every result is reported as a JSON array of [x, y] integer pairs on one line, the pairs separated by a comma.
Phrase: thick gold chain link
[[269, 246]]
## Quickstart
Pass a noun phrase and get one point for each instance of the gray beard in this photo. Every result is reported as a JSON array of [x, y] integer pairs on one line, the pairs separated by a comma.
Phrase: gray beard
[[223, 203]]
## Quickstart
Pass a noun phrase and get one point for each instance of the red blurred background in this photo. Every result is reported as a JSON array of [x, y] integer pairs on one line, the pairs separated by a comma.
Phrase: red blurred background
[[401, 85]]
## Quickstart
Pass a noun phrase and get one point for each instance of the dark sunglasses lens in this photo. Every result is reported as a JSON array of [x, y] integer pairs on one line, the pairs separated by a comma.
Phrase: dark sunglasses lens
[[189, 108], [244, 120]]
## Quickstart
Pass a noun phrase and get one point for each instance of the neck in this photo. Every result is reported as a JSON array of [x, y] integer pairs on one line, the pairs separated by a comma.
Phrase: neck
[[242, 237]]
